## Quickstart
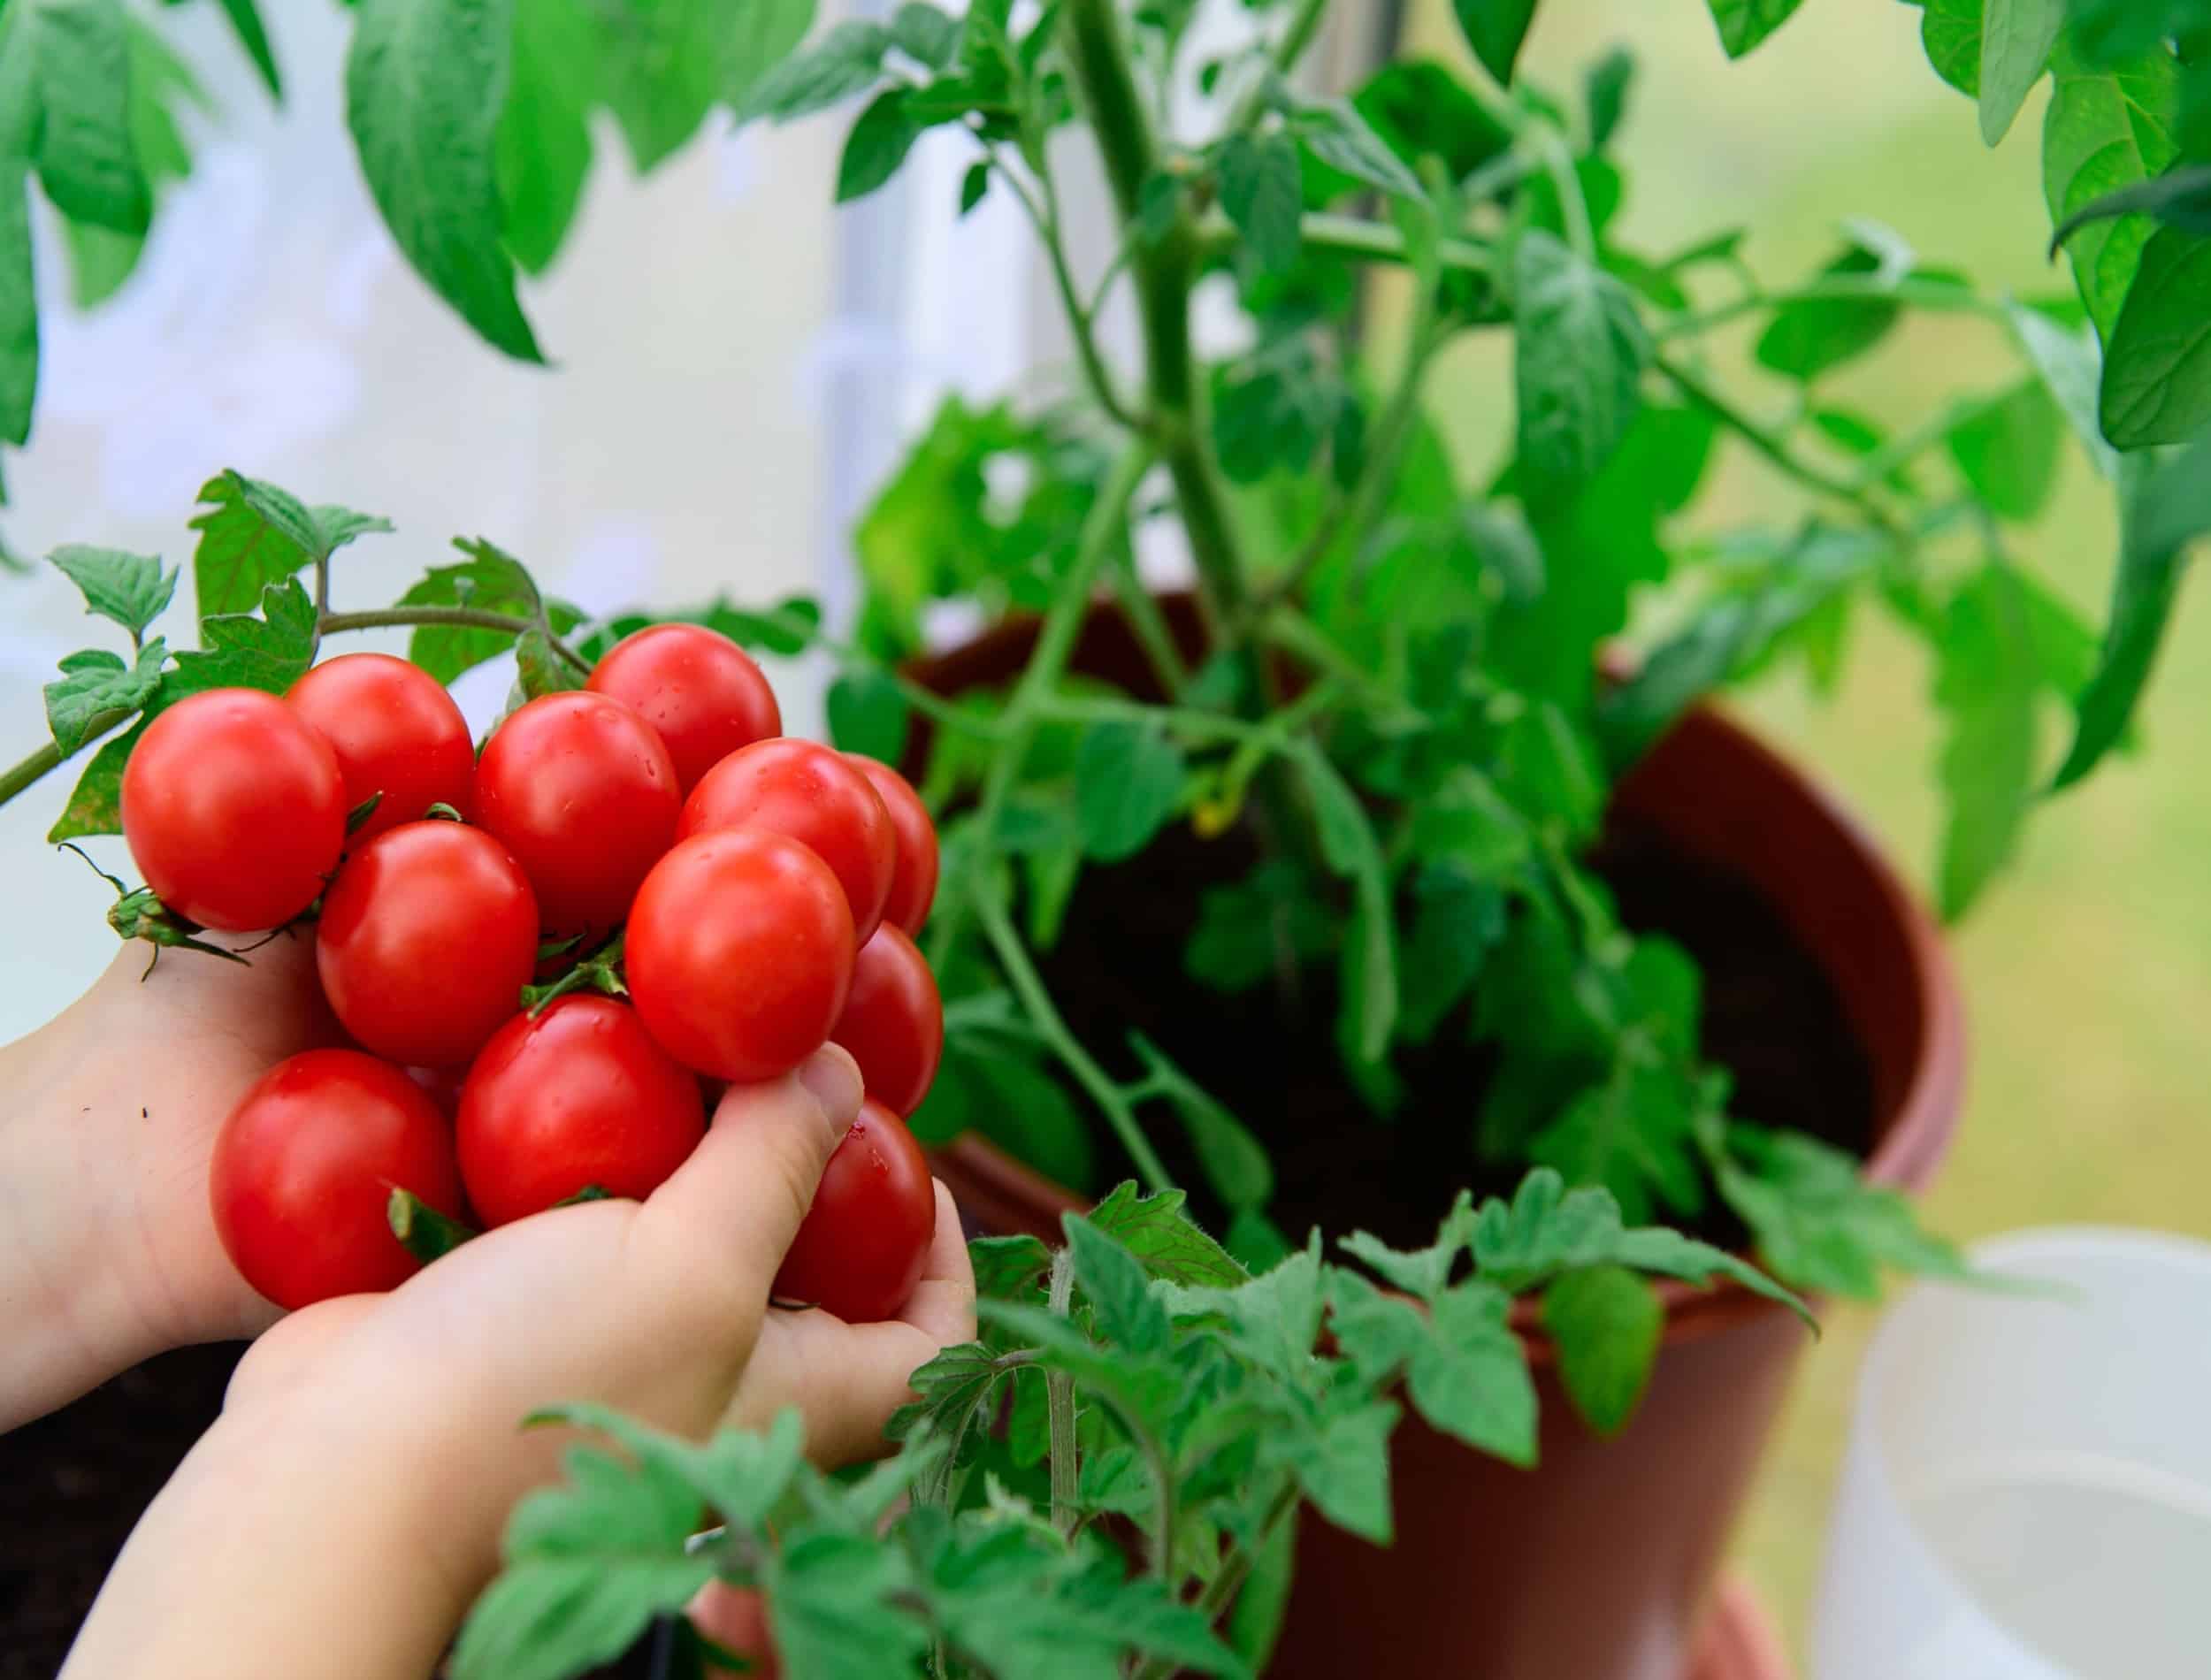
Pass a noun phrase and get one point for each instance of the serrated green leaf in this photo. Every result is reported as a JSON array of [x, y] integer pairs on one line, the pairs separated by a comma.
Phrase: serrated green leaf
[[2107, 127], [1235, 1162], [98, 681], [1335, 132], [846, 61], [1579, 356], [1988, 685], [1009, 1268], [1633, 1133], [1545, 1229], [542, 147], [1743, 24], [131, 590], [1155, 1229], [1494, 30], [2157, 360], [1113, 1281], [1261, 193], [2166, 507], [1128, 780], [86, 160], [491, 579], [2016, 36], [1419, 1271], [1816, 1222], [268, 651], [1421, 110], [240, 551], [1343, 1468], [2006, 450], [1671, 1254], [879, 140], [425, 83], [540, 670], [1607, 1324], [830, 1608], [868, 712]]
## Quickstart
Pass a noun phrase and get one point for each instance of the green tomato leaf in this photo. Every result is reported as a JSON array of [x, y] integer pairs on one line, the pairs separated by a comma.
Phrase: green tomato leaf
[[1251, 929], [925, 34], [2179, 198], [1261, 193], [848, 60], [1235, 1162], [2016, 36], [1817, 1221], [1494, 30], [245, 23], [1606, 89], [1338, 135], [2166, 506], [1804, 340], [1578, 357], [19, 296], [241, 551], [1607, 1323], [425, 83], [878, 143], [1128, 780], [268, 651], [2157, 360], [2107, 127], [542, 146], [660, 66], [1671, 1254], [1634, 1134], [1155, 1229], [868, 712], [132, 590], [1421, 1273], [490, 579], [2068, 362], [540, 670], [97, 682], [761, 37], [1545, 1229], [1951, 33], [1124, 1310], [1988, 684], [86, 162], [2006, 450], [1457, 921], [95, 805], [973, 186], [1743, 24], [1350, 847], [1469, 1376]]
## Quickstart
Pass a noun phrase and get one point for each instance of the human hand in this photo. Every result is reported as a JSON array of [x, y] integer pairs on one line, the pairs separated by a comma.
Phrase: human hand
[[107, 1251], [369, 1453]]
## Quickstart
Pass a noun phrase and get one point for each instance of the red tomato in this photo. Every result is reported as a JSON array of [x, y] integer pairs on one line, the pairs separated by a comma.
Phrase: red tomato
[[866, 1236], [913, 880], [813, 794], [234, 810], [739, 952], [697, 687], [893, 1022], [304, 1167], [396, 732], [578, 1095], [427, 938], [582, 791]]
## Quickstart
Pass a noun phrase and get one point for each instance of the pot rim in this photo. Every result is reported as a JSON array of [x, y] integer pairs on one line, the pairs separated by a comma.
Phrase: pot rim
[[1909, 1149]]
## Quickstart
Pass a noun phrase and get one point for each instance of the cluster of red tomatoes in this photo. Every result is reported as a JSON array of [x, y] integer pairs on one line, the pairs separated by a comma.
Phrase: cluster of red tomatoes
[[760, 891]]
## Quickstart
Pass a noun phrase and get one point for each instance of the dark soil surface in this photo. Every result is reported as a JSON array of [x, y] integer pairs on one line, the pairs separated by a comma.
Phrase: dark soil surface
[[1770, 1015]]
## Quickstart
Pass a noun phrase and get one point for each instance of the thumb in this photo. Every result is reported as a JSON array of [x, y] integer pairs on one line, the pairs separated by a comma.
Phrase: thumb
[[738, 1201]]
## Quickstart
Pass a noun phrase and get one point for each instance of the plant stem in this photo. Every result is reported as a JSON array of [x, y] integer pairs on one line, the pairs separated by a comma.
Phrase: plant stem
[[1059, 1406], [1791, 465], [1153, 633], [1028, 986], [26, 772], [1922, 294], [1045, 218], [1302, 27], [1351, 236], [1222, 1593], [1165, 272], [1572, 206], [455, 617]]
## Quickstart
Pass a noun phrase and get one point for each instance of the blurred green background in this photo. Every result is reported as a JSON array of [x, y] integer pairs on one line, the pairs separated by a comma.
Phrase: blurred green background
[[2087, 968]]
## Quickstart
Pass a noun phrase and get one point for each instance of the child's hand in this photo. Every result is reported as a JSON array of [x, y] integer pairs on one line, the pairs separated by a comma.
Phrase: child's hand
[[108, 1252], [342, 1514]]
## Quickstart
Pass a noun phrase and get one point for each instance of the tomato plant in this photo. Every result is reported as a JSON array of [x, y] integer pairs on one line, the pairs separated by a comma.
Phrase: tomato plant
[[893, 1020], [575, 1096], [705, 695], [399, 738], [860, 1252], [234, 810], [818, 798], [305, 1165], [739, 952], [581, 790], [914, 877], [427, 937]]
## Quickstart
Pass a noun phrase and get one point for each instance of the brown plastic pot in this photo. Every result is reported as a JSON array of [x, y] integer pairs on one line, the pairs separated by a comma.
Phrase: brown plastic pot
[[1599, 1563]]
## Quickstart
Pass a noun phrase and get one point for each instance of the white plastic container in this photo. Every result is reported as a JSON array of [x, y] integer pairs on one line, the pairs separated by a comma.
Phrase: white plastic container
[[2027, 1494]]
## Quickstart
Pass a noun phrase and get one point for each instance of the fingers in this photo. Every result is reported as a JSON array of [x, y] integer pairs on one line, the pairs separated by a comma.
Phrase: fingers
[[942, 1306], [736, 1205], [293, 1347]]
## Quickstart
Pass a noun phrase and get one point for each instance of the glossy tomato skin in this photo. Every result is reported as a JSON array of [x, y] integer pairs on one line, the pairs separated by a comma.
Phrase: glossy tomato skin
[[305, 1165], [427, 937], [739, 953], [397, 733], [913, 877], [866, 1238], [893, 1022], [578, 1095], [583, 793], [699, 689], [811, 793], [234, 810]]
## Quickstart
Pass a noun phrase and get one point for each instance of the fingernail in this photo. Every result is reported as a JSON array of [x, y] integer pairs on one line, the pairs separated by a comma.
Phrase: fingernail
[[833, 1079]]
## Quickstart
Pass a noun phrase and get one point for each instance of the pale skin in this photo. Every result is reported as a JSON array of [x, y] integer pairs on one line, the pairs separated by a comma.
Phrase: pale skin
[[346, 1509]]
